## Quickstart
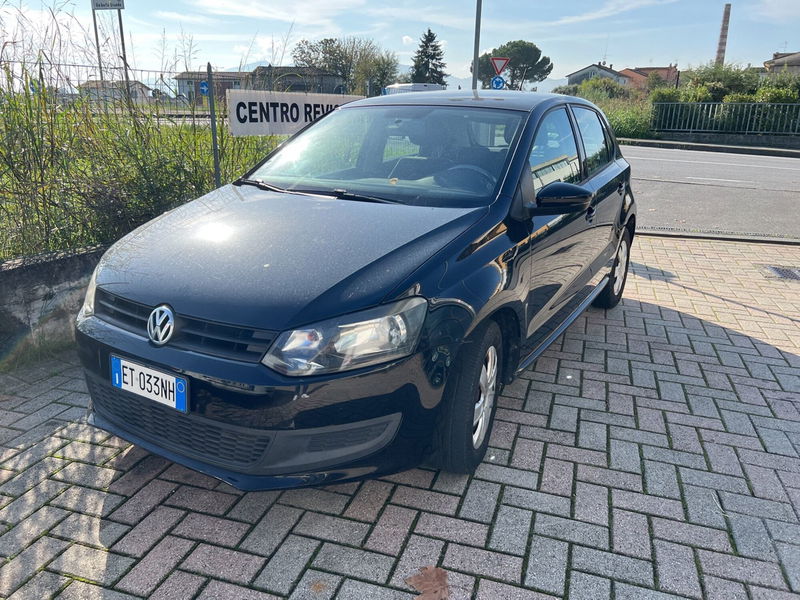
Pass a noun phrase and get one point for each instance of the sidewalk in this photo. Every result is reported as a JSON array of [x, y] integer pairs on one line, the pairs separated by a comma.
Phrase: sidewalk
[[652, 454], [757, 150]]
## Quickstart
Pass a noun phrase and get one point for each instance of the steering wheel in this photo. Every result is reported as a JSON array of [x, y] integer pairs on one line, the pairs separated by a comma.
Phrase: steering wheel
[[488, 180]]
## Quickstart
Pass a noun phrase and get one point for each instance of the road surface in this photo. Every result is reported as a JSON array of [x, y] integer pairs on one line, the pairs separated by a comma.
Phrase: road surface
[[690, 190]]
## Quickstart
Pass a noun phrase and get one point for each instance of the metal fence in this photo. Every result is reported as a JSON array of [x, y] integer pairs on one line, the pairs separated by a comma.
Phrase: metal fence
[[724, 117]]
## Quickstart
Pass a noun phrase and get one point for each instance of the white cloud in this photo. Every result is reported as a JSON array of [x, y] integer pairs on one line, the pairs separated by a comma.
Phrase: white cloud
[[610, 9], [184, 17], [317, 13], [407, 40], [782, 10]]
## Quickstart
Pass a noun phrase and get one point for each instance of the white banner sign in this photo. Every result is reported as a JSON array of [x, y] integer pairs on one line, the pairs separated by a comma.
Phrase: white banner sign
[[256, 112], [108, 4]]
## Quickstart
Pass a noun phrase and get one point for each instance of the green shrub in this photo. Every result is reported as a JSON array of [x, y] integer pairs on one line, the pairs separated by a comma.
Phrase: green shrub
[[598, 88], [567, 90], [732, 78], [776, 95], [665, 95], [739, 98], [695, 93]]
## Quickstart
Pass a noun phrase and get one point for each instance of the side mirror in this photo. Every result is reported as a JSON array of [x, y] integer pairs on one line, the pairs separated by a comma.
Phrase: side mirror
[[559, 197]]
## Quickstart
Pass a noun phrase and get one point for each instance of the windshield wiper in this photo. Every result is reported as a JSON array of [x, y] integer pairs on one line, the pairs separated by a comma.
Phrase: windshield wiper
[[342, 194], [262, 185]]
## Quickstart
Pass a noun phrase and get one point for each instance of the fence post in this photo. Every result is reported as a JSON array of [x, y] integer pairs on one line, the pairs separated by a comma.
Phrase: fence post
[[214, 144]]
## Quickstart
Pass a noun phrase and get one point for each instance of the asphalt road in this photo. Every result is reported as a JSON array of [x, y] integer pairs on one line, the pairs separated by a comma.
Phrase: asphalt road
[[689, 190]]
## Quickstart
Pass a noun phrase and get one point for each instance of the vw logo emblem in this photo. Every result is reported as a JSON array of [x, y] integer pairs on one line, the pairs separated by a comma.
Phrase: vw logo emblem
[[161, 325]]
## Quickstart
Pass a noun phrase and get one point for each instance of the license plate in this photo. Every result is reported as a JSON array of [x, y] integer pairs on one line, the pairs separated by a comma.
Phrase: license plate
[[149, 383]]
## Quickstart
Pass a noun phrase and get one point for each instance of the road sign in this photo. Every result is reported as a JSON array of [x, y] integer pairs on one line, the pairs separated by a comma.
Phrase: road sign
[[108, 4], [257, 112], [498, 83], [204, 88], [499, 63]]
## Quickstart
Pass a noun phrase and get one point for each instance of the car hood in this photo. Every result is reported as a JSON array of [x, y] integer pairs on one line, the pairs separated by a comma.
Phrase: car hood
[[271, 260]]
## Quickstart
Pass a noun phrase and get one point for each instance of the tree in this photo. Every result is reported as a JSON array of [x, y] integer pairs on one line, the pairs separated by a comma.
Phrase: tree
[[429, 62], [382, 71], [655, 81], [525, 63], [350, 58]]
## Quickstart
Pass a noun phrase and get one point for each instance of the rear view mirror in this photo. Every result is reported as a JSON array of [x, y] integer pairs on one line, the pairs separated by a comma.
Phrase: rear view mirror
[[559, 197]]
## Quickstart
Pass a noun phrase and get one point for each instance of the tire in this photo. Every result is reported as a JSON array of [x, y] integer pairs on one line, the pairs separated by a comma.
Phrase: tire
[[462, 437], [612, 293]]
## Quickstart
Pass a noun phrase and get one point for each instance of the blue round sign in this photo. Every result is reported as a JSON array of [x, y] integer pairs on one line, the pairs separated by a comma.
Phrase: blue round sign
[[498, 83], [204, 88]]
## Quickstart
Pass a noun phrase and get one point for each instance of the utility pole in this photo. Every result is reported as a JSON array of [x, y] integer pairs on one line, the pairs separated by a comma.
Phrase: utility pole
[[476, 49]]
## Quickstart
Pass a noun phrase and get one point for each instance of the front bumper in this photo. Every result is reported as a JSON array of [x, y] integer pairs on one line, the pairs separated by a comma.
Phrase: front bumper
[[256, 429]]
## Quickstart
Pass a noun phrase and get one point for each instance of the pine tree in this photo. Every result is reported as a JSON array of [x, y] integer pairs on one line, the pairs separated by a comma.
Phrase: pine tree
[[429, 62]]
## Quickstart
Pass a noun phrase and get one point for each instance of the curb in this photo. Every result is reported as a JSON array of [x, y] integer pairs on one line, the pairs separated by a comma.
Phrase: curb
[[720, 237], [757, 150]]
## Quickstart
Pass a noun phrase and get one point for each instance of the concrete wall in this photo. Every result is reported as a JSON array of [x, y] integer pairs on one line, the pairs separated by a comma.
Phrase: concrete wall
[[731, 139], [40, 297]]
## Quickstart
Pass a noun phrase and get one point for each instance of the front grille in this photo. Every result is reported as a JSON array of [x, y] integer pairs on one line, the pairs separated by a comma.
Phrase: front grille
[[792, 273], [185, 434], [349, 437], [206, 337]]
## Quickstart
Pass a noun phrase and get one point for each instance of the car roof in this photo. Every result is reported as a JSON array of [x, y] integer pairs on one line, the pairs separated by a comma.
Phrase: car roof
[[507, 99]]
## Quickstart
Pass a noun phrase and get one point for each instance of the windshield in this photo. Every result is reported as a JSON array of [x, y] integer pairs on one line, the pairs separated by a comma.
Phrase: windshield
[[421, 155]]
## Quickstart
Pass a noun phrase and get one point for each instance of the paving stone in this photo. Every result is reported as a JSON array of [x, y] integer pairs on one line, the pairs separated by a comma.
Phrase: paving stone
[[611, 565], [741, 569], [661, 479], [142, 502], [419, 551], [42, 585], [160, 561], [493, 590], [625, 456], [714, 480], [89, 530], [453, 530], [368, 502], [219, 590], [676, 569], [483, 563], [591, 503], [252, 506], [501, 474], [425, 500], [32, 475], [138, 476], [357, 590], [480, 501], [151, 529], [631, 534], [331, 528], [230, 565], [790, 559], [21, 567], [557, 477], [527, 454], [703, 506], [607, 477], [316, 499], [88, 501], [197, 499], [31, 501], [351, 562], [759, 593], [273, 527], [723, 589], [180, 585], [757, 506], [26, 531], [661, 507], [287, 564], [630, 592], [572, 531], [80, 590], [751, 537], [691, 535], [547, 564], [510, 530], [392, 528], [91, 564], [538, 501], [316, 585]]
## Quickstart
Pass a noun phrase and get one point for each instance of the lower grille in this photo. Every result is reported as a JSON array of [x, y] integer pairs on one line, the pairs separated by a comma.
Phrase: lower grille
[[188, 435]]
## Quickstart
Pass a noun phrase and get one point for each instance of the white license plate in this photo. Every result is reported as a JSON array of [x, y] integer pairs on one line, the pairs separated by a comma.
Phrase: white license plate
[[149, 383]]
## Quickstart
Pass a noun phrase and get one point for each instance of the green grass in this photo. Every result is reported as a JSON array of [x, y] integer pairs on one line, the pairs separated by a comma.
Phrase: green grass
[[76, 174]]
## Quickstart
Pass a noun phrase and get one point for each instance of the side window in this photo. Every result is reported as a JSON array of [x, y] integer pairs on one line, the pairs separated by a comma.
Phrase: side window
[[554, 156], [598, 153]]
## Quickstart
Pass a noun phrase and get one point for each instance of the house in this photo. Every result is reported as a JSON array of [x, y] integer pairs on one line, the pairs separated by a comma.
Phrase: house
[[783, 62], [115, 90], [596, 70], [284, 79], [296, 79], [637, 77], [189, 83]]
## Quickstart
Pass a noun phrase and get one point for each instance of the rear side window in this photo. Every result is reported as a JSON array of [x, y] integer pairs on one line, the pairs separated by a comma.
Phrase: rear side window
[[554, 156], [598, 152]]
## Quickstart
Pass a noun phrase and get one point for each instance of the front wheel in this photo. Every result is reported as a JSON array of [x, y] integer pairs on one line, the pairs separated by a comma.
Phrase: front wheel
[[468, 413], [612, 293]]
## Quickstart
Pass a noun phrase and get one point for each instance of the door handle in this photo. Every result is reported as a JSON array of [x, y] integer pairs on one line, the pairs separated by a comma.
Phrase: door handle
[[621, 189], [590, 213]]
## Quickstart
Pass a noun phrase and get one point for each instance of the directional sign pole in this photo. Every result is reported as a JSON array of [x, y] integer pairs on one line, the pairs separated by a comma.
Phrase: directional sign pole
[[97, 45], [124, 57], [475, 50], [214, 145]]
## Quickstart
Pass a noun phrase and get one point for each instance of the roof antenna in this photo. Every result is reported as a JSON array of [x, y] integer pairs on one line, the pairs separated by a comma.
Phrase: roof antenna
[[605, 52]]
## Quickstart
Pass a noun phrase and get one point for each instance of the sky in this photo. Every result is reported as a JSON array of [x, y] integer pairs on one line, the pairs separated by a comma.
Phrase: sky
[[624, 33]]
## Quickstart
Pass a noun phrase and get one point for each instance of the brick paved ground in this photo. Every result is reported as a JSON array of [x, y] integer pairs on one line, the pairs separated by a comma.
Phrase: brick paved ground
[[653, 454]]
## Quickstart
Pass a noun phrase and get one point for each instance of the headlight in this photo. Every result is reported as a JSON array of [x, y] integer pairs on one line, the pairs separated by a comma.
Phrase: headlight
[[350, 342], [87, 310]]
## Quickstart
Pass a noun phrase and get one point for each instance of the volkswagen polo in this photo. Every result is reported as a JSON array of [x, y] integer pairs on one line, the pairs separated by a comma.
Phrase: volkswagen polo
[[353, 305]]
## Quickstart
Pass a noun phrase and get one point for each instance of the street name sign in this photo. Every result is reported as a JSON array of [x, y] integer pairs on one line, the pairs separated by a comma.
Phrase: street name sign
[[257, 112], [108, 4], [499, 63]]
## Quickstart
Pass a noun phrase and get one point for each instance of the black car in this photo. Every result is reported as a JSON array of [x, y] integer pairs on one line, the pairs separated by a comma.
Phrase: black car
[[353, 305]]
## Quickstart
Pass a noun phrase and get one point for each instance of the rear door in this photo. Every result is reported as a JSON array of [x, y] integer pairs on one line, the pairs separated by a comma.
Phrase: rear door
[[606, 176]]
